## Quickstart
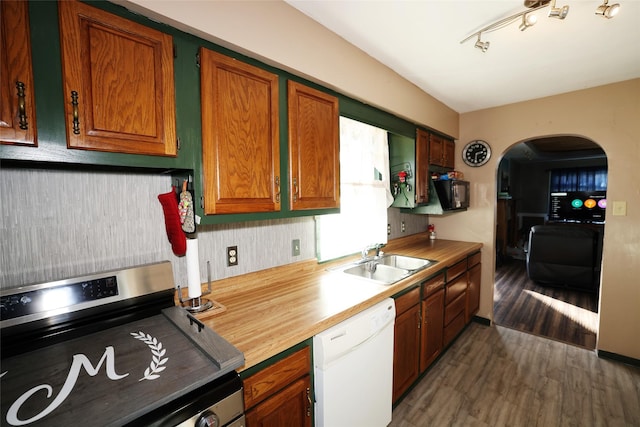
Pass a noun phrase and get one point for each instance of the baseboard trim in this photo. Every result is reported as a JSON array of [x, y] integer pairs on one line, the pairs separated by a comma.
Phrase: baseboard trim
[[618, 358], [481, 320]]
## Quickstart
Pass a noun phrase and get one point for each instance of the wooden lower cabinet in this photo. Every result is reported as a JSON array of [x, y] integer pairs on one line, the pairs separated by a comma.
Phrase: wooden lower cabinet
[[280, 394], [430, 316], [432, 328], [474, 275], [406, 345], [289, 407], [455, 305]]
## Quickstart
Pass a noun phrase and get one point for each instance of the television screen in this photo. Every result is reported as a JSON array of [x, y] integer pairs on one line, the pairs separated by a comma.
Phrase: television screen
[[577, 206]]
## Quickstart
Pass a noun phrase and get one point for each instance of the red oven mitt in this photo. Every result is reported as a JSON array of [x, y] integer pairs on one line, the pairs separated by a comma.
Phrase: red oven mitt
[[176, 236]]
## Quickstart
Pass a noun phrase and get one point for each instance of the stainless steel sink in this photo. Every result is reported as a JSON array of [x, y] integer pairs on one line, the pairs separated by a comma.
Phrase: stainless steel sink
[[386, 269], [404, 262], [378, 272]]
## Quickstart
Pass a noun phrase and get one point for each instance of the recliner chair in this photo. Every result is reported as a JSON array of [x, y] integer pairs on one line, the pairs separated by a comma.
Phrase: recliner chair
[[564, 255]]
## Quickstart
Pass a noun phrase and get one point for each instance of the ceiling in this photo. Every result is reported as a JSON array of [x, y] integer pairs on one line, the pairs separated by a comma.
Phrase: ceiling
[[420, 40]]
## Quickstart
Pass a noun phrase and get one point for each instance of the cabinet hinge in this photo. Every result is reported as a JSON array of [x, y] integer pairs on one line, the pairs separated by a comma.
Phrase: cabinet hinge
[[175, 51], [198, 59], [178, 143], [201, 202]]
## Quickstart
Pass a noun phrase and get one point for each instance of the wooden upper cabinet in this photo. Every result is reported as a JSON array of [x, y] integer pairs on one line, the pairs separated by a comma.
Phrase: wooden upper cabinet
[[17, 111], [422, 167], [118, 83], [449, 154], [314, 148], [442, 151], [240, 136]]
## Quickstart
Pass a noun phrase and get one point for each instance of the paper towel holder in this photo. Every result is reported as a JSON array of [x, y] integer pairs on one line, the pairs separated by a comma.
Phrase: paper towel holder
[[198, 304]]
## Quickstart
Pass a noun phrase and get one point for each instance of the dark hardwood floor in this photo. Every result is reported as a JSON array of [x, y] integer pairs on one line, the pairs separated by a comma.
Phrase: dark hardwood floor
[[559, 314], [493, 376]]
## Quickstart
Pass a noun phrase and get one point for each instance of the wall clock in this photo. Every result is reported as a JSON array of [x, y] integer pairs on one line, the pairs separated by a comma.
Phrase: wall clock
[[476, 153]]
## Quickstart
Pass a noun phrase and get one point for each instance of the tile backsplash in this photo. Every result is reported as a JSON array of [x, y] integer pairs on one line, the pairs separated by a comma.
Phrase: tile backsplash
[[58, 223]]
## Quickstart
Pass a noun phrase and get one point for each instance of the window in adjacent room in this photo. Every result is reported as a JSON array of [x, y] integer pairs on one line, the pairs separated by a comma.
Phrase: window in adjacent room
[[364, 193], [579, 179]]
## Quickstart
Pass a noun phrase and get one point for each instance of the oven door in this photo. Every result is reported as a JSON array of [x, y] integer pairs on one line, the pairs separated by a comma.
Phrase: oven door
[[219, 403]]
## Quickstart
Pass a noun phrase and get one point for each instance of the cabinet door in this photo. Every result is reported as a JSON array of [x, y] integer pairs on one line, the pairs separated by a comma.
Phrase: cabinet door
[[118, 83], [314, 148], [406, 350], [291, 407], [432, 328], [449, 154], [436, 150], [240, 136], [473, 292], [422, 167], [17, 110]]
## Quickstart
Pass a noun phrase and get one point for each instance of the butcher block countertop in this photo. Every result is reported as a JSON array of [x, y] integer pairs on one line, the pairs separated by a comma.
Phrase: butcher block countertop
[[271, 310]]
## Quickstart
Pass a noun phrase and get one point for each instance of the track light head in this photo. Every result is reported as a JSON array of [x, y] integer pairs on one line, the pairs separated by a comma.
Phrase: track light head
[[558, 12], [483, 46], [528, 21], [608, 11]]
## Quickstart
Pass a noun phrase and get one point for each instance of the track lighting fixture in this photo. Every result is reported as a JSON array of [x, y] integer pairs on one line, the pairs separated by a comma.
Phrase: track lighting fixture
[[558, 12], [483, 46], [528, 19], [608, 11]]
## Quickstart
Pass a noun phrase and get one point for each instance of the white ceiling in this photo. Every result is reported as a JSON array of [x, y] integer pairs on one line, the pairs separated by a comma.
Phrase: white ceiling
[[420, 40]]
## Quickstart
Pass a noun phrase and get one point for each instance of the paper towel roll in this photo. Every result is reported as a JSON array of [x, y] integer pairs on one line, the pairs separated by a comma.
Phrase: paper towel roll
[[193, 269]]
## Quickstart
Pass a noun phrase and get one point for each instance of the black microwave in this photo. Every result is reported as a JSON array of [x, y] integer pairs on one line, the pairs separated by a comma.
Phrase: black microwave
[[453, 194]]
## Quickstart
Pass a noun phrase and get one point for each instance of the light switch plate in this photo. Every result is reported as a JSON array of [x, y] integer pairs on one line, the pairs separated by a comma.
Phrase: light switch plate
[[620, 208], [295, 247]]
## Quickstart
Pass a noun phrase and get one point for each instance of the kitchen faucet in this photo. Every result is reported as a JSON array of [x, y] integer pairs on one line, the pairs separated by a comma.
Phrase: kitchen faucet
[[377, 247]]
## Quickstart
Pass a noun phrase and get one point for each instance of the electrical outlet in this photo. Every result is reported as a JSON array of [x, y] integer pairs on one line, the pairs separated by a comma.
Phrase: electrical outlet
[[388, 229], [403, 228], [295, 247], [232, 256]]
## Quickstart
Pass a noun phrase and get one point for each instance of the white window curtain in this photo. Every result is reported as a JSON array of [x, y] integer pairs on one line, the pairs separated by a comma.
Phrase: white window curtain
[[364, 193]]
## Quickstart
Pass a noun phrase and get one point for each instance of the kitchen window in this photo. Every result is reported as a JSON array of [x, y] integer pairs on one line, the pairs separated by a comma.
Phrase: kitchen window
[[364, 193]]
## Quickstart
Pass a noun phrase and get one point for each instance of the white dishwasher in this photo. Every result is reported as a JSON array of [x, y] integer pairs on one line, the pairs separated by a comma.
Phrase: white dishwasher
[[353, 366]]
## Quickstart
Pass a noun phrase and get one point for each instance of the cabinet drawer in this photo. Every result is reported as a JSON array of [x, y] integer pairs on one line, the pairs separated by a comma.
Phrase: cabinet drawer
[[408, 300], [432, 285], [455, 308], [265, 383], [456, 270], [455, 288], [473, 260], [453, 329]]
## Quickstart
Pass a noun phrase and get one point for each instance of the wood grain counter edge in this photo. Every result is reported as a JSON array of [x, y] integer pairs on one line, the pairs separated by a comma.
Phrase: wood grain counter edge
[[271, 310]]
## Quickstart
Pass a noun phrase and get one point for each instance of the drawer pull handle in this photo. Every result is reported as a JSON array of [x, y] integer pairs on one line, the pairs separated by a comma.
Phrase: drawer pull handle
[[22, 114], [76, 120], [295, 189], [278, 189], [309, 402]]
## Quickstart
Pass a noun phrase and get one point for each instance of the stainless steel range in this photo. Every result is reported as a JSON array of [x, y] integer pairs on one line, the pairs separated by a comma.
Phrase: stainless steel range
[[112, 349]]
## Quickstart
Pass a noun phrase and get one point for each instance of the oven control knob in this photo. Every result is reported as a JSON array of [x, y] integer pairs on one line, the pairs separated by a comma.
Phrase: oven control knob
[[208, 419]]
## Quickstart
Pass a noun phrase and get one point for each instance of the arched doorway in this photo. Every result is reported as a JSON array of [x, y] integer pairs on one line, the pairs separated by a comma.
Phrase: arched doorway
[[553, 310]]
